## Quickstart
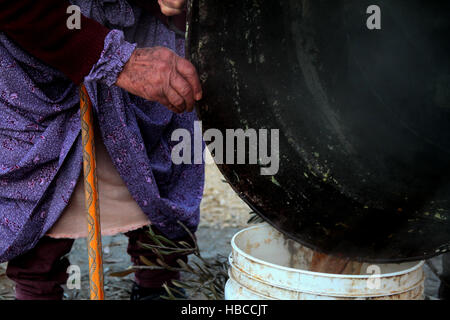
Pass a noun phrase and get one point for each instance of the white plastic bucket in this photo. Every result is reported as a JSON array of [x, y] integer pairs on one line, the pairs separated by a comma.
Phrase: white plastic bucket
[[266, 265]]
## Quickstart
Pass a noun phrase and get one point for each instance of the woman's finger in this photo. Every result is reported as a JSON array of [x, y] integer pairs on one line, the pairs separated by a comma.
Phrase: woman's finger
[[165, 102], [175, 99], [188, 71], [168, 11], [174, 4], [184, 89]]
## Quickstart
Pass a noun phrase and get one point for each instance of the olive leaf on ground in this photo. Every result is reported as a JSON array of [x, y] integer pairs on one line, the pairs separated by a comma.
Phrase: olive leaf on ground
[[203, 277]]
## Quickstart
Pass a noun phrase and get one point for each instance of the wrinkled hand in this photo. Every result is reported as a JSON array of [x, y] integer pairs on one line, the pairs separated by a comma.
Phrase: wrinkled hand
[[158, 74], [172, 7]]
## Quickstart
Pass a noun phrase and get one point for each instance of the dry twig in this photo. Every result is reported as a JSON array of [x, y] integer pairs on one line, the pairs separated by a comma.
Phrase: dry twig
[[207, 277]]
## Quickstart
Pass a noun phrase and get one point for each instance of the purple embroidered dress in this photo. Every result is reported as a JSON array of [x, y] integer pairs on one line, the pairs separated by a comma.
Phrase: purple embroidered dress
[[40, 140]]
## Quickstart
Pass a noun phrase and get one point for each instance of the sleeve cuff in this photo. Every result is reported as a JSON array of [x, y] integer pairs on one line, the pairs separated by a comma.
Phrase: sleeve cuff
[[115, 54]]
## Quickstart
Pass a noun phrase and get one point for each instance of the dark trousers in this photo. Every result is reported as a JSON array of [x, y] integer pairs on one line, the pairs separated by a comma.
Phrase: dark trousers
[[40, 272]]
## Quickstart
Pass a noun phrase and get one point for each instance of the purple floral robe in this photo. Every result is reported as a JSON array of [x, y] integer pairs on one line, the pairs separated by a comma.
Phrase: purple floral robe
[[40, 139]]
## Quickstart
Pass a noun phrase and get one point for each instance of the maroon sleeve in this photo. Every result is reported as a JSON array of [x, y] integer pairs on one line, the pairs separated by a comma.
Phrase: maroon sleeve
[[39, 27]]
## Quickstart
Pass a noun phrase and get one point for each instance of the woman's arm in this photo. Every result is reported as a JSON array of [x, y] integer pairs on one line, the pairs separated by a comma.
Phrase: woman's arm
[[40, 28], [156, 74]]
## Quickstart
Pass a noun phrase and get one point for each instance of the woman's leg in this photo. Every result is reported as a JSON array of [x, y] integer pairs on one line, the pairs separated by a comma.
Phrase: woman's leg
[[40, 272], [152, 279]]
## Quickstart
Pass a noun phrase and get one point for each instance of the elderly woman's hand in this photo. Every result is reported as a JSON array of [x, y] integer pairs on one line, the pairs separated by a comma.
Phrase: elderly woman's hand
[[158, 74], [172, 7]]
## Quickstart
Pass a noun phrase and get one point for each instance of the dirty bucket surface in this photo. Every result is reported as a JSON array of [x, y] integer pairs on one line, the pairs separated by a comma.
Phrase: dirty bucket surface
[[264, 264]]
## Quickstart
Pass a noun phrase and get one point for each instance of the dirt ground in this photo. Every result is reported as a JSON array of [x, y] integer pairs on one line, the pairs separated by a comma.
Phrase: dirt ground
[[223, 214]]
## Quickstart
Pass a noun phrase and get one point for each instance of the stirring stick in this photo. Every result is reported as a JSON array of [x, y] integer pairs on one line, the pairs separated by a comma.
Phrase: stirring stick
[[94, 239]]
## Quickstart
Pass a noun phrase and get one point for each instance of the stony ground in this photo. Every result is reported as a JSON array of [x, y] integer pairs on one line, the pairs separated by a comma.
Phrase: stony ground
[[223, 214]]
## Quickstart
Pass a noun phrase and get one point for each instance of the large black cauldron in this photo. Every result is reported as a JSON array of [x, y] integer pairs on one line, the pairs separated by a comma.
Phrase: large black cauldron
[[364, 117]]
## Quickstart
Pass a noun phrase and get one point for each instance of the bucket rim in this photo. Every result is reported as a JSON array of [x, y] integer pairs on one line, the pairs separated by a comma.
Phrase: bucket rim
[[231, 279], [335, 294], [234, 247]]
